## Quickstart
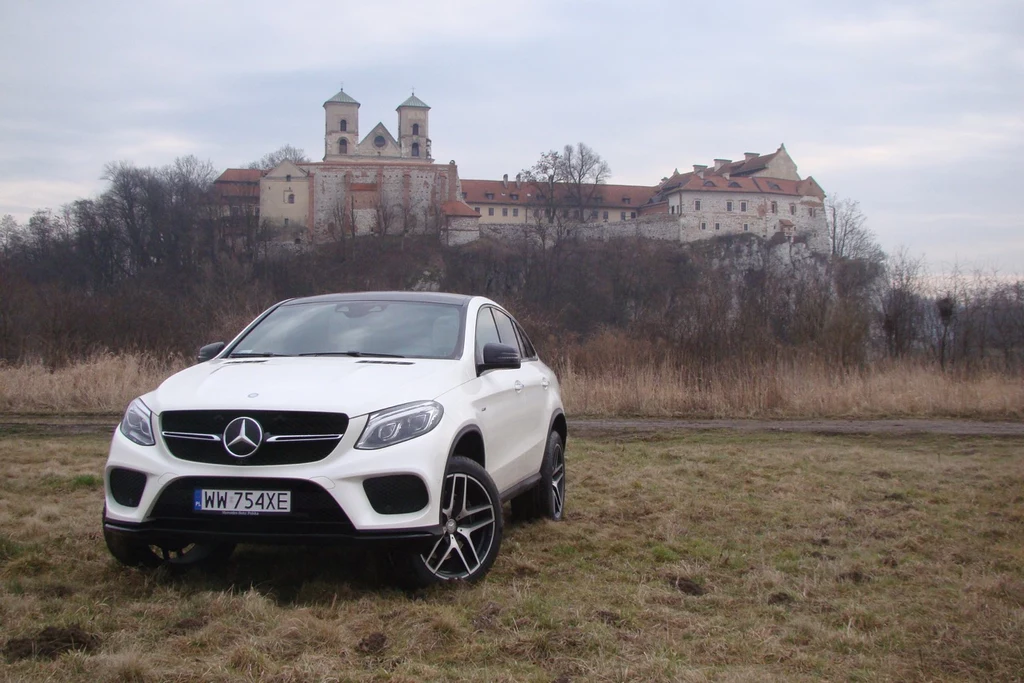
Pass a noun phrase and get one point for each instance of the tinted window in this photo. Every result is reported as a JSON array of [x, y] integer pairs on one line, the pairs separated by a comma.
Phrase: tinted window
[[486, 332], [506, 331], [400, 328], [529, 353]]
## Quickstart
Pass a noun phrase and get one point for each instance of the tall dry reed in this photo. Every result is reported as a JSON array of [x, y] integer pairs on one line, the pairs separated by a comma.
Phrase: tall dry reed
[[790, 390], [105, 383]]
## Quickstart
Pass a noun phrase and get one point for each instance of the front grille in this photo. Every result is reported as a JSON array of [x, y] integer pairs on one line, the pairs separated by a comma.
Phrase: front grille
[[126, 486], [396, 494], [196, 435], [313, 511]]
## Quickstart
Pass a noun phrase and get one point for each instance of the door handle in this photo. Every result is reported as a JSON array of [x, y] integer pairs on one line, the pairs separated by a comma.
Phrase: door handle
[[544, 382], [518, 386]]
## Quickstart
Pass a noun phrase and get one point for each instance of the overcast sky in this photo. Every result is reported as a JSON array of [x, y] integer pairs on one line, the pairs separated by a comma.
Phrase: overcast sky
[[916, 109]]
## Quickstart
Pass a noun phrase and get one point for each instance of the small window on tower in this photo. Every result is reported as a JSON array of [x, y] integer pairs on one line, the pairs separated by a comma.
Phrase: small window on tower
[[291, 198], [343, 146], [415, 149], [415, 129], [344, 125]]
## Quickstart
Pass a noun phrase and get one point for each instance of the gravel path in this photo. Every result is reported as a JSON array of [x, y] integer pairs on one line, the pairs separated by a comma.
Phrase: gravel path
[[603, 427], [104, 424]]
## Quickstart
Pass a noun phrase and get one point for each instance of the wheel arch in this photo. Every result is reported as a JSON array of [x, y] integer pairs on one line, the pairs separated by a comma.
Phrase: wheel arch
[[558, 424], [469, 443]]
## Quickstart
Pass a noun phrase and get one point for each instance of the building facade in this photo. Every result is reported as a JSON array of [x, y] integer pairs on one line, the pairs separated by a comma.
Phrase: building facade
[[386, 183]]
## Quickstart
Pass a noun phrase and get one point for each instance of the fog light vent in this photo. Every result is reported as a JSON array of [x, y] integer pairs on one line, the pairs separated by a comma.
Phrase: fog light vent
[[126, 486], [396, 494]]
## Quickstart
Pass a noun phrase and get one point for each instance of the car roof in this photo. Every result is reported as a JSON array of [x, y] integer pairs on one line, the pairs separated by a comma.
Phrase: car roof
[[424, 297]]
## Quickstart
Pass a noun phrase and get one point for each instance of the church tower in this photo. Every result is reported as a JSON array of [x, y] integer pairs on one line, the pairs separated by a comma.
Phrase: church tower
[[413, 129], [341, 133]]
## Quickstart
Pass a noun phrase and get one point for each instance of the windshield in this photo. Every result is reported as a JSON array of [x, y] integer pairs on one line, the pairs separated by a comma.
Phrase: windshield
[[400, 329]]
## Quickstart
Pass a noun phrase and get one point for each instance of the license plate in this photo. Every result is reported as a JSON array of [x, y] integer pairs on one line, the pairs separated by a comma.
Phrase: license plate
[[242, 502]]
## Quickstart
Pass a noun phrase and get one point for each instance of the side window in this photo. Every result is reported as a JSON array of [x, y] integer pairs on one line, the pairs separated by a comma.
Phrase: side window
[[486, 332], [529, 353], [506, 331]]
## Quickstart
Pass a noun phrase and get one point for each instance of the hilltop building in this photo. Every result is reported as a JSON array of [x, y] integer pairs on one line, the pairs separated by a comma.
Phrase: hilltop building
[[362, 186], [384, 183]]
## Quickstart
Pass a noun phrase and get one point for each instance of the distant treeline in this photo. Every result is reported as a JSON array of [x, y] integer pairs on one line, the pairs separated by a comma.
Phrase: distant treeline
[[152, 265]]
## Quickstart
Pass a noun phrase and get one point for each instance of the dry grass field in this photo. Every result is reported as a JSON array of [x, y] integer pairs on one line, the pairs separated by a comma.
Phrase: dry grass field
[[106, 384], [701, 556]]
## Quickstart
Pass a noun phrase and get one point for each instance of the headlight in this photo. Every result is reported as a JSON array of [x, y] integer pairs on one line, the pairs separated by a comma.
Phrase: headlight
[[398, 424], [137, 423]]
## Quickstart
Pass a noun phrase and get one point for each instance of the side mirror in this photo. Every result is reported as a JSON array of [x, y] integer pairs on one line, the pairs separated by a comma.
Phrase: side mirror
[[499, 357], [209, 351]]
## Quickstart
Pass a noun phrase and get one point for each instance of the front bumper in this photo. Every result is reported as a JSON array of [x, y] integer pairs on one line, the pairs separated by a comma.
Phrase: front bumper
[[331, 504]]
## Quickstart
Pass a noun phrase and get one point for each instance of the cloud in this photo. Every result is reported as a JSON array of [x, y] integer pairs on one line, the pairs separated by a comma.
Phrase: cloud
[[971, 137]]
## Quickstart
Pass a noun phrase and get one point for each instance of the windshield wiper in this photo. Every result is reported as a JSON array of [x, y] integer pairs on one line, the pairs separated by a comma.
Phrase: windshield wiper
[[353, 354], [257, 354]]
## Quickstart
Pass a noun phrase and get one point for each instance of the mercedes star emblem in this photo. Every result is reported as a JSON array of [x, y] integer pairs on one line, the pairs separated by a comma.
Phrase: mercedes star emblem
[[242, 437]]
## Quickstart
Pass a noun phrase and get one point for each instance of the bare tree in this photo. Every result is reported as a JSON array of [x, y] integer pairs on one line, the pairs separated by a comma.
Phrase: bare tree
[[901, 308], [847, 233], [283, 153]]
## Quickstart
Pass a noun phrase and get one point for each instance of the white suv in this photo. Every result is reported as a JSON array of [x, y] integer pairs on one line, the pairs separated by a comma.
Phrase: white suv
[[397, 417]]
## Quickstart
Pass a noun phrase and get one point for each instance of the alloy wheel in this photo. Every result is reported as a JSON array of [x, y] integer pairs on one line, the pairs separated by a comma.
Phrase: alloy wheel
[[468, 518]]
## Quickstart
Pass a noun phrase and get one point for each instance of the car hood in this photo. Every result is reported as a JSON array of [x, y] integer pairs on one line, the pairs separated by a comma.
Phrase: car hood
[[354, 386]]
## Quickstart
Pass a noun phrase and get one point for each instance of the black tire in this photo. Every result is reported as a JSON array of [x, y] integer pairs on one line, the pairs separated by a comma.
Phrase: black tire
[[132, 552], [471, 517], [547, 499]]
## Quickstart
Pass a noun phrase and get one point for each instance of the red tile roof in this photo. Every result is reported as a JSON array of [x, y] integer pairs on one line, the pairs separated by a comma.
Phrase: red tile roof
[[456, 208], [240, 175], [715, 182], [611, 196]]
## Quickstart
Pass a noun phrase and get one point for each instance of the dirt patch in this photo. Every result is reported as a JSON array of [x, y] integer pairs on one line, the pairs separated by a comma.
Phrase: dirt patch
[[51, 642], [685, 585], [780, 598], [855, 576], [373, 644]]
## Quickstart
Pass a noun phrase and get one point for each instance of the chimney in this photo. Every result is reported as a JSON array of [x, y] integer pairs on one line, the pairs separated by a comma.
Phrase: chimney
[[719, 163], [519, 177], [504, 180], [747, 156], [699, 170]]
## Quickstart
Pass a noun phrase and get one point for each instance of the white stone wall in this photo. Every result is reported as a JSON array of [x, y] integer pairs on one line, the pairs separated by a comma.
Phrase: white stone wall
[[758, 217], [410, 194]]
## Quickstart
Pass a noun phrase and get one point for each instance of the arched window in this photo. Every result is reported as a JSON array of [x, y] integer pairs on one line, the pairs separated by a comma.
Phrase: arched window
[[343, 146], [415, 129], [415, 149], [344, 125]]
